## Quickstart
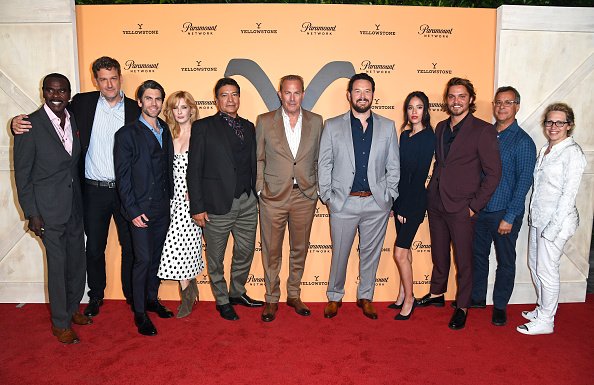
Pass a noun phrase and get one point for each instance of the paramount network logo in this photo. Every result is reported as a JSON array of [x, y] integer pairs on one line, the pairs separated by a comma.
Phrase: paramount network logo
[[141, 30], [379, 281], [421, 247], [319, 248], [315, 282], [197, 30], [198, 68], [426, 31], [206, 104], [259, 30], [310, 29], [434, 70], [378, 32], [134, 67], [255, 281], [373, 68], [437, 106]]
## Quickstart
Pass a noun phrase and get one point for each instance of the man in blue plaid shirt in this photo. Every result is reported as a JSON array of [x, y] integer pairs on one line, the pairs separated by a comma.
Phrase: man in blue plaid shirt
[[500, 221]]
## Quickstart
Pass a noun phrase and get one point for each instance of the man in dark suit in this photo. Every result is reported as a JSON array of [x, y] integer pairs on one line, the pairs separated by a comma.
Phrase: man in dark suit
[[46, 176], [143, 160], [221, 183], [98, 115], [466, 173]]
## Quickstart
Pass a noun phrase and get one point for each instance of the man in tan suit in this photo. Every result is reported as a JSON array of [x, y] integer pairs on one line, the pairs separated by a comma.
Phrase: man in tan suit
[[287, 155]]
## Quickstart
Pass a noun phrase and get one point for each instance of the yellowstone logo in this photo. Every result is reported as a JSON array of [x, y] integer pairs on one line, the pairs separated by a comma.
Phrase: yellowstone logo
[[198, 30], [378, 106], [254, 73], [259, 30], [317, 30], [258, 247], [441, 33], [421, 247], [424, 281], [378, 32], [204, 280], [373, 68], [134, 67], [255, 281], [321, 215], [141, 30], [434, 70], [199, 68], [315, 282]]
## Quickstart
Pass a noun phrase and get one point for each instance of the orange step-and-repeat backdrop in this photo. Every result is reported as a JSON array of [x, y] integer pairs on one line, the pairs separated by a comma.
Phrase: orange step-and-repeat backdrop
[[189, 47]]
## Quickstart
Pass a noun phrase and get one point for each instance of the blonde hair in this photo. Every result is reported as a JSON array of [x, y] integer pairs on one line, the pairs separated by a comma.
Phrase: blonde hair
[[561, 107], [171, 103]]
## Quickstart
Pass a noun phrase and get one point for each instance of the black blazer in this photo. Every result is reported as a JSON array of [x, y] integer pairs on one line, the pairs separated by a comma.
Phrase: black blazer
[[83, 106], [136, 155], [46, 175], [211, 165]]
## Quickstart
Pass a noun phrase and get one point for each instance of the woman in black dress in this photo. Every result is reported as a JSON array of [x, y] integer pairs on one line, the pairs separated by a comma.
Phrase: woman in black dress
[[417, 145]]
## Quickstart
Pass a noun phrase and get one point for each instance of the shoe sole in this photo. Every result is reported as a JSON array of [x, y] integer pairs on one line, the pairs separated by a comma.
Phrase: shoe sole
[[529, 333]]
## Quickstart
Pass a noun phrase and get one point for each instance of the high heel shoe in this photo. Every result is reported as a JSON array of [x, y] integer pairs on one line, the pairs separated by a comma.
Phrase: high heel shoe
[[400, 317], [395, 305]]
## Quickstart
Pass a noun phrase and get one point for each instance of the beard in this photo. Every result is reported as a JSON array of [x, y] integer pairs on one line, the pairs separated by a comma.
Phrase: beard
[[361, 110]]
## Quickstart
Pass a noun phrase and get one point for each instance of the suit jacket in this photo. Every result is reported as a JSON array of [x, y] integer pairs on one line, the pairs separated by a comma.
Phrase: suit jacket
[[211, 166], [46, 175], [83, 107], [136, 157], [276, 165], [471, 172], [336, 163]]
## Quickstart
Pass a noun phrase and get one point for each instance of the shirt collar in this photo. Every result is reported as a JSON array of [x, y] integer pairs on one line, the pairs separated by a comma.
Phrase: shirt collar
[[119, 104], [141, 118], [53, 117], [285, 116]]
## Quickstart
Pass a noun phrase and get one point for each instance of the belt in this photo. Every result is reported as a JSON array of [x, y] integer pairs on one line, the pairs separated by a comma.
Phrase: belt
[[295, 185], [100, 183], [361, 194]]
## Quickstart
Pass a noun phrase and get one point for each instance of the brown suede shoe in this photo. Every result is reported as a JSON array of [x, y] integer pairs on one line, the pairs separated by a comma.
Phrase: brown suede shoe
[[65, 336], [81, 319], [332, 309], [299, 306], [367, 307], [269, 312]]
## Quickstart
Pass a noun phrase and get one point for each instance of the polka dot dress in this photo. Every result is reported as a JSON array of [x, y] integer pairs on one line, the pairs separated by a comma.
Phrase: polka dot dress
[[182, 252]]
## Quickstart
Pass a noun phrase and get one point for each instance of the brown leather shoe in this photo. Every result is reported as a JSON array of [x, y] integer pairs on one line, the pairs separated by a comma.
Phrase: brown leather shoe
[[81, 319], [367, 307], [300, 307], [269, 312], [65, 336], [332, 309]]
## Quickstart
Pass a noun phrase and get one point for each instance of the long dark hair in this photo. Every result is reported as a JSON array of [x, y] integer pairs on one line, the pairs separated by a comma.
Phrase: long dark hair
[[426, 118]]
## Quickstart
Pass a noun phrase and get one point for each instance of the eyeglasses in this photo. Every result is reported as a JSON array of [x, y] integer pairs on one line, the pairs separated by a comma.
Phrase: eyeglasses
[[507, 103], [558, 123]]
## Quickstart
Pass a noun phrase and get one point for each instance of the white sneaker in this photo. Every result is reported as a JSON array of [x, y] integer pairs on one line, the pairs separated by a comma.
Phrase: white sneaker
[[530, 315], [535, 327]]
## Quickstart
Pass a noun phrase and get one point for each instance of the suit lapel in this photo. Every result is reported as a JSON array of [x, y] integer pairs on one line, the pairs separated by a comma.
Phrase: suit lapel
[[52, 131], [305, 134], [374, 141], [279, 131], [460, 137], [347, 135]]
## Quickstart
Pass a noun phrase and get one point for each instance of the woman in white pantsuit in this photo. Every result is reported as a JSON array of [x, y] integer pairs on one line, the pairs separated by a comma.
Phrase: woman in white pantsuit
[[553, 214]]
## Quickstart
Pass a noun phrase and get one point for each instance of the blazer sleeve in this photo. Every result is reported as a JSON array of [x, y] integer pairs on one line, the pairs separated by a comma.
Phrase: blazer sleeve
[[194, 173], [124, 152], [325, 162], [24, 158], [489, 157]]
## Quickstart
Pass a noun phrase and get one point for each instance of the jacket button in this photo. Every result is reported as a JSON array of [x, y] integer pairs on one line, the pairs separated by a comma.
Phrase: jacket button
[[295, 164]]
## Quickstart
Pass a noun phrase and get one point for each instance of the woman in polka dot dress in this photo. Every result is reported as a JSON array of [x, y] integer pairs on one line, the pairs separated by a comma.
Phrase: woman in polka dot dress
[[182, 254]]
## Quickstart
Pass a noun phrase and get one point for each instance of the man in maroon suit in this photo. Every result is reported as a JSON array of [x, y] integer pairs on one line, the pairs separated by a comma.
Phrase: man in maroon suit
[[466, 173]]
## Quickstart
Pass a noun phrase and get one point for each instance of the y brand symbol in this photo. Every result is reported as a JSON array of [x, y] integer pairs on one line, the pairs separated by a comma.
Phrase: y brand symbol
[[198, 63], [258, 24], [377, 27], [426, 277], [376, 101], [253, 72], [140, 26], [434, 65]]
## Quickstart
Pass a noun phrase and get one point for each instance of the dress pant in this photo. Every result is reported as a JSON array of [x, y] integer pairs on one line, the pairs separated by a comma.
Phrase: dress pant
[[458, 229], [485, 234], [148, 246], [363, 214], [544, 258], [241, 221], [298, 213], [100, 205], [65, 254]]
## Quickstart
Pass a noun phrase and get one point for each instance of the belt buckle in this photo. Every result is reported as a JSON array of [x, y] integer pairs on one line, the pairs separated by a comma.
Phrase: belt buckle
[[111, 184]]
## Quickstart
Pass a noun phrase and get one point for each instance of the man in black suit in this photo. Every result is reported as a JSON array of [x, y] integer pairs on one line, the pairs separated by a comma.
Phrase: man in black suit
[[46, 176], [98, 115], [143, 160], [221, 183]]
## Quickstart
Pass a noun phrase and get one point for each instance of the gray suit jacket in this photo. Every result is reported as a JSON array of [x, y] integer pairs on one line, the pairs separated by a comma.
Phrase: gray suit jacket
[[336, 162], [46, 175]]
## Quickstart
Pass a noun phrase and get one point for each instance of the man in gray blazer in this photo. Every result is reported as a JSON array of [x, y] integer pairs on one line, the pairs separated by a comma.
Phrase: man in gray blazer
[[358, 172], [47, 182]]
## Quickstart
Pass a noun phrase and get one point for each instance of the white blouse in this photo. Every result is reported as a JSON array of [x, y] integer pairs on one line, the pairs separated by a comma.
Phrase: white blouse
[[557, 177]]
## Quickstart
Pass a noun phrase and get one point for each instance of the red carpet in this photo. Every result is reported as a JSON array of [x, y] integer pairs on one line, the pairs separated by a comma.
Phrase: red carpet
[[349, 349]]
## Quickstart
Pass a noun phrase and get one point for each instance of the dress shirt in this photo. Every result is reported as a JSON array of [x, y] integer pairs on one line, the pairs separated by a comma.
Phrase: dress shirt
[[158, 135], [362, 147], [65, 134], [293, 135], [449, 134], [518, 156], [99, 159]]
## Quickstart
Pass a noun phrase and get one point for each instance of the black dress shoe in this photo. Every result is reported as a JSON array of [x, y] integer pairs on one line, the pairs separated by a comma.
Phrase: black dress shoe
[[427, 300], [244, 300], [499, 317], [157, 307], [400, 317], [458, 320], [227, 312], [92, 308], [473, 304], [144, 324]]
